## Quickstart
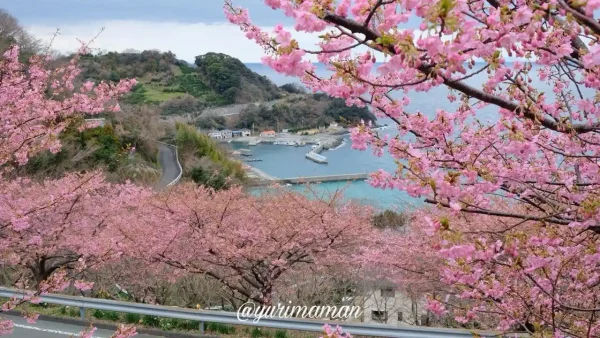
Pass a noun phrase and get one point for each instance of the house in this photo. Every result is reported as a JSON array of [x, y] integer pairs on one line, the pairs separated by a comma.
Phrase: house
[[241, 133], [227, 134], [334, 125], [217, 135], [268, 133], [221, 134], [385, 303]]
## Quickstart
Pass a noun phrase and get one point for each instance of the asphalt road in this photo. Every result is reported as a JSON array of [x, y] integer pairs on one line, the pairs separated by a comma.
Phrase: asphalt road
[[167, 158], [236, 109], [47, 329]]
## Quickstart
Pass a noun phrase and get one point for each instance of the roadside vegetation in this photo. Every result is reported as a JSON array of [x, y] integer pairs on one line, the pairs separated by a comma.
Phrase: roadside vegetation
[[205, 161]]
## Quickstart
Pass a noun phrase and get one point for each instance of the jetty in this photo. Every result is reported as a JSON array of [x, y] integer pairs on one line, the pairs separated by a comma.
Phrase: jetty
[[316, 157], [313, 179]]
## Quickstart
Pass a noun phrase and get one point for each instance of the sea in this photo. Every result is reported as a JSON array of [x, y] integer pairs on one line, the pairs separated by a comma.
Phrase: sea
[[286, 161]]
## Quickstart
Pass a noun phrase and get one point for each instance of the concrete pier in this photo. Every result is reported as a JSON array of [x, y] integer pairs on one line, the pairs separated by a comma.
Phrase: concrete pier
[[313, 179], [315, 157]]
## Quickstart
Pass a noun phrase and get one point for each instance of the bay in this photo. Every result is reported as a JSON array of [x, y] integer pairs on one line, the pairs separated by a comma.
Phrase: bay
[[286, 161]]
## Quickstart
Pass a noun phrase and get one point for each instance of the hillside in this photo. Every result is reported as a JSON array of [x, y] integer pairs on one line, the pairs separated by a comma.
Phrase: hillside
[[124, 147], [306, 111], [233, 81], [217, 80]]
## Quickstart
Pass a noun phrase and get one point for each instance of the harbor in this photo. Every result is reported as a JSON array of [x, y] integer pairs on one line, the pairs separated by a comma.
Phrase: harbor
[[327, 140], [319, 143], [281, 162]]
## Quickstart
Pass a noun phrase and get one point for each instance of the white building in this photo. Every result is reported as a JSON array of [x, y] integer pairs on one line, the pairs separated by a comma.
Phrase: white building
[[241, 133], [227, 134], [217, 135], [384, 303], [221, 134], [388, 305]]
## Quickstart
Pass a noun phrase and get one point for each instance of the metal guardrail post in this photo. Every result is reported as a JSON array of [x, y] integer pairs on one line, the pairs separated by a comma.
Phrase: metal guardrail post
[[201, 327], [82, 313]]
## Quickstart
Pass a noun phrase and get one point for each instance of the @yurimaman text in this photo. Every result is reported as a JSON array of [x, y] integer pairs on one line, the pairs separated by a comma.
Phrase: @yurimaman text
[[256, 312]]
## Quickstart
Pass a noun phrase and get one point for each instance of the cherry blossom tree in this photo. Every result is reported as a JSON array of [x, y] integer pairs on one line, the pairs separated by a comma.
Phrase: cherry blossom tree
[[39, 221], [505, 148], [526, 275], [36, 104], [248, 243], [61, 223], [538, 142], [140, 281]]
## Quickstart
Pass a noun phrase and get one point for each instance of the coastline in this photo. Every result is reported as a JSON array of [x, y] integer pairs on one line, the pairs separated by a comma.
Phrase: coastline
[[327, 140], [257, 174]]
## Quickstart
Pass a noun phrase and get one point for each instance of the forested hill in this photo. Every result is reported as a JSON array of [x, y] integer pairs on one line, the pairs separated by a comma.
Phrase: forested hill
[[217, 80], [235, 82], [178, 88]]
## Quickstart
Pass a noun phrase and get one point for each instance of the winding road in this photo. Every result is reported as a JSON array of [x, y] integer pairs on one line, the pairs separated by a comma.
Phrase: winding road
[[171, 169]]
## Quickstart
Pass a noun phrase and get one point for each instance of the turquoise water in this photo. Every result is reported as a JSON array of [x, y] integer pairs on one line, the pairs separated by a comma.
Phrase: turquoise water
[[286, 161]]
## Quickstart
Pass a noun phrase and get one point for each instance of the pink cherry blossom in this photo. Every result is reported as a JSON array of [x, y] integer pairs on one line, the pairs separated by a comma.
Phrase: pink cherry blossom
[[235, 237], [504, 152]]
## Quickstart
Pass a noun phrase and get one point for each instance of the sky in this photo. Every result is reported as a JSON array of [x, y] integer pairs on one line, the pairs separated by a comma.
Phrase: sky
[[185, 27]]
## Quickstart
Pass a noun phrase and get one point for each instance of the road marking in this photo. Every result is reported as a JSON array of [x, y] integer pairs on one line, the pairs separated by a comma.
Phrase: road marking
[[49, 330]]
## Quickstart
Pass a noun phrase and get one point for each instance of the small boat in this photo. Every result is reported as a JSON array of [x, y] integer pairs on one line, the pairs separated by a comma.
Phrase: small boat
[[253, 160], [245, 152]]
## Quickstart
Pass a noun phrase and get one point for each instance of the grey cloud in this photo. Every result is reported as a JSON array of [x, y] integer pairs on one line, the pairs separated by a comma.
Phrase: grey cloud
[[64, 12]]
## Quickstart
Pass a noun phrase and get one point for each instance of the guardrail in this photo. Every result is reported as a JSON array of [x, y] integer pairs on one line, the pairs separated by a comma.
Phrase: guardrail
[[232, 318], [178, 164]]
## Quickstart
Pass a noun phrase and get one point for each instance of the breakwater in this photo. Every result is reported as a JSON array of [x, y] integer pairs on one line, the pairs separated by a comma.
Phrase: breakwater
[[312, 179]]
